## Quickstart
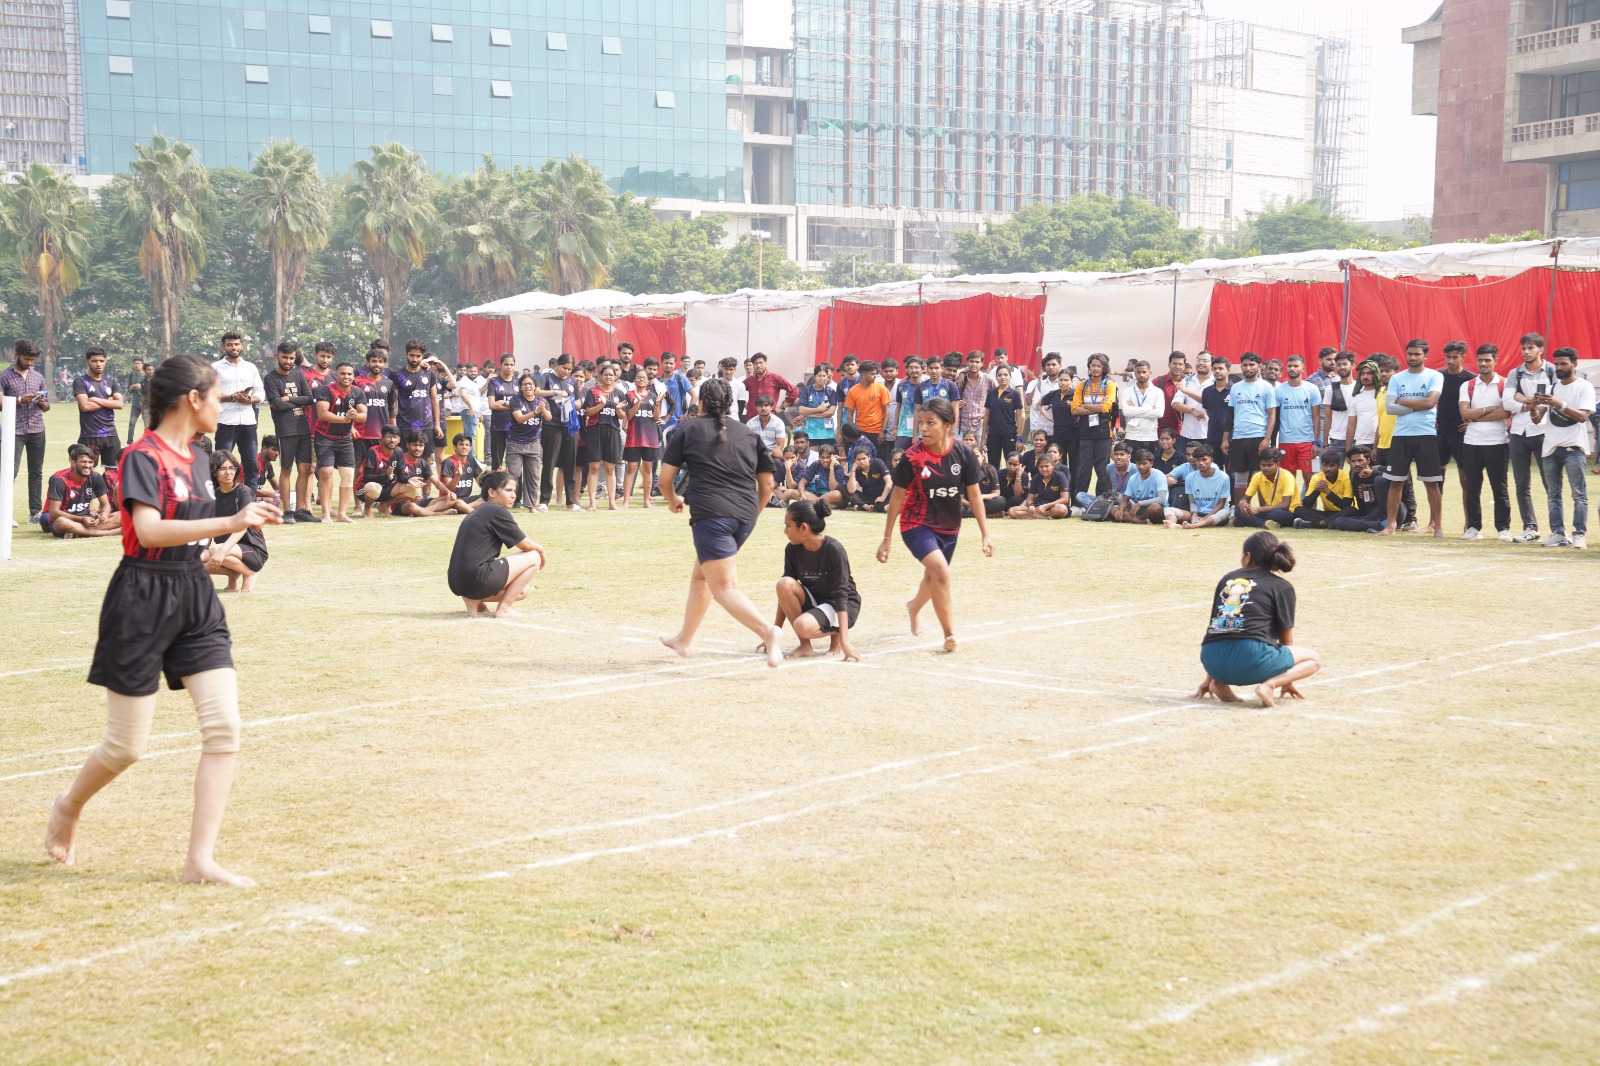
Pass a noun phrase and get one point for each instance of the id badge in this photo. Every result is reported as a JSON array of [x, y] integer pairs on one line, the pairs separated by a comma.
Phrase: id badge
[[1094, 420]]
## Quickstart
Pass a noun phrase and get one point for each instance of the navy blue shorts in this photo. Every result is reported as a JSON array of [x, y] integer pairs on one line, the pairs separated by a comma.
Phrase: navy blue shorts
[[719, 538], [923, 542]]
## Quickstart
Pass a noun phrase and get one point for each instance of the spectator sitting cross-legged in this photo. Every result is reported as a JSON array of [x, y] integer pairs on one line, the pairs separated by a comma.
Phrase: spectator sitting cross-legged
[[1328, 493], [1271, 496]]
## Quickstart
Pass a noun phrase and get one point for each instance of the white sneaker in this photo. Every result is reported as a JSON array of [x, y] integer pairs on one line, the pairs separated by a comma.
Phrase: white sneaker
[[1505, 535], [1075, 512], [543, 508], [1527, 536], [1471, 534], [1556, 540], [1579, 543]]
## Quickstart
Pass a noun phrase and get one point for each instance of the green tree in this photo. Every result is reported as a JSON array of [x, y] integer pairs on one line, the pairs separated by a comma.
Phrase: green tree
[[165, 204], [391, 201], [857, 268], [313, 321], [682, 255], [483, 222], [758, 264], [287, 206], [573, 226], [1297, 226], [1090, 231], [238, 271], [45, 220]]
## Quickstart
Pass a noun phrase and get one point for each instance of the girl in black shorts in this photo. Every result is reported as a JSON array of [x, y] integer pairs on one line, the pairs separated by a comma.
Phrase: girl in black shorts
[[642, 447], [477, 572], [602, 431], [730, 481], [816, 593], [242, 555], [161, 615]]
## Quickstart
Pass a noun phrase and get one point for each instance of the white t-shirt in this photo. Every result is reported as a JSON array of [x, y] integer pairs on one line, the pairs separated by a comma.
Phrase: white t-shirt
[[1578, 394], [1484, 394], [1364, 409], [1193, 426], [1042, 418], [1527, 383], [472, 391], [1338, 421]]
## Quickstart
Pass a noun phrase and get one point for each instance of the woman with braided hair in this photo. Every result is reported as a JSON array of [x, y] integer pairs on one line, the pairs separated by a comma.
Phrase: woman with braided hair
[[730, 481]]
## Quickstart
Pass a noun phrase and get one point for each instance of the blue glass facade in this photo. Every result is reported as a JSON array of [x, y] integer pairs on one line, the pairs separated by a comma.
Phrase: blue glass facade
[[634, 86]]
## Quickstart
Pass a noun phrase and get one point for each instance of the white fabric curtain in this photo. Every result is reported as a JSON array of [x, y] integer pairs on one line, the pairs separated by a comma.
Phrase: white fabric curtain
[[1126, 321], [788, 337], [535, 340]]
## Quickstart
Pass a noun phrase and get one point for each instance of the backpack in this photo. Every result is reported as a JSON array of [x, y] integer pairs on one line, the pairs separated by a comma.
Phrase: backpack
[[1100, 509]]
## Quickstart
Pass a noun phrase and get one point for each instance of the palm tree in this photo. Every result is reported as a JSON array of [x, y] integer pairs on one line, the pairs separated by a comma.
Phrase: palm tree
[[573, 227], [288, 207], [391, 202], [482, 223], [166, 206], [47, 222]]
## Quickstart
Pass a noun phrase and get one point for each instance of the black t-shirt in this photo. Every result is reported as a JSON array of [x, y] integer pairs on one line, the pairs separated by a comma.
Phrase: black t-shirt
[[1250, 604], [178, 486], [76, 497], [1061, 415], [524, 432], [231, 503], [378, 393], [378, 466], [1449, 422], [722, 477], [610, 401], [1371, 497], [825, 573], [405, 468], [1048, 491], [101, 422], [466, 472], [288, 395], [871, 482], [1219, 414], [934, 486], [1166, 465], [1003, 407], [479, 539], [500, 391]]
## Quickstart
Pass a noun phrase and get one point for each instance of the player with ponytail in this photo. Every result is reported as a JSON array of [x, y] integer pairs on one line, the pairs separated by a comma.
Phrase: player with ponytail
[[1250, 640]]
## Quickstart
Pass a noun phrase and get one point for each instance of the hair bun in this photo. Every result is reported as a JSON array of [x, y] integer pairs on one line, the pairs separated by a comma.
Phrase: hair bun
[[823, 510]]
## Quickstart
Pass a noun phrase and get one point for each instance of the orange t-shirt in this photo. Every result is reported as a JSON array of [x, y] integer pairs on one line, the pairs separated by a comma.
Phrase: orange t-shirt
[[869, 403]]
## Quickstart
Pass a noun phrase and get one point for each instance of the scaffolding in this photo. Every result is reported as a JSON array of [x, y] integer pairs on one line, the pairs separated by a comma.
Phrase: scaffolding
[[1339, 163], [41, 92]]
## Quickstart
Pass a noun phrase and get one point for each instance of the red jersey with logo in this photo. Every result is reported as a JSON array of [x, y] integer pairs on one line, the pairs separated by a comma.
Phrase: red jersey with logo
[[178, 485], [339, 401], [77, 495], [934, 486], [314, 377]]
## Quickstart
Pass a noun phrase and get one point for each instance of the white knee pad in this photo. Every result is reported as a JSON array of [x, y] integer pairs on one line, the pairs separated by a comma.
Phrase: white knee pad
[[128, 721], [216, 704]]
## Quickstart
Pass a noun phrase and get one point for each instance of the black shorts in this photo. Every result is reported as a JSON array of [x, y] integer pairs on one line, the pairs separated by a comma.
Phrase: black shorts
[[252, 557], [825, 614], [296, 449], [439, 441], [480, 584], [335, 452], [604, 443], [1423, 452], [641, 455], [1244, 458], [719, 538], [159, 617], [1450, 445], [107, 450]]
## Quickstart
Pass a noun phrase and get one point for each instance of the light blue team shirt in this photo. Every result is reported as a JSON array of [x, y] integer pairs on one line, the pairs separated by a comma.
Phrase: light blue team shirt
[[1408, 386], [1294, 412], [1251, 400], [818, 429], [1147, 489], [906, 396], [1206, 492]]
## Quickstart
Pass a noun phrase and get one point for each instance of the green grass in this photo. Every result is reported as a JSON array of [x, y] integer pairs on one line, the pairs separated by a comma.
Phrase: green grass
[[1033, 850]]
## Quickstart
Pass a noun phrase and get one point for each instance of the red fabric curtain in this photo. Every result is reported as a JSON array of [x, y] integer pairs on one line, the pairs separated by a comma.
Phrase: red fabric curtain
[[1274, 319], [482, 339], [986, 322], [585, 338]]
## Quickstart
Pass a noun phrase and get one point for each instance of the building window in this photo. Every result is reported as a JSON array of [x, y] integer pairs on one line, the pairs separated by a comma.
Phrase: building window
[[254, 74], [119, 9], [382, 28], [443, 33], [1580, 94], [443, 85], [500, 89], [555, 42], [611, 46], [500, 38], [255, 20], [1578, 185], [1581, 11], [666, 98], [119, 64], [319, 24]]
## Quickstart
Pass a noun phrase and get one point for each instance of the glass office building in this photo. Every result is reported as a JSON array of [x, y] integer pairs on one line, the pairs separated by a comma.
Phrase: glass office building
[[634, 86]]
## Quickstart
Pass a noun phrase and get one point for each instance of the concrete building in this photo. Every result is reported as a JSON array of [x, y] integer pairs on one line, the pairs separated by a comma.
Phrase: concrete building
[[1552, 108]]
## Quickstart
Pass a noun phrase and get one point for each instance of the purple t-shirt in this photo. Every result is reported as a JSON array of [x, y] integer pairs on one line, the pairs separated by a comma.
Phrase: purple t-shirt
[[101, 422]]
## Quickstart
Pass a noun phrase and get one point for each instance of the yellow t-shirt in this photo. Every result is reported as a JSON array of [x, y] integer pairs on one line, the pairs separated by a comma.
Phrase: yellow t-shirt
[[1281, 493], [1386, 420], [1318, 490]]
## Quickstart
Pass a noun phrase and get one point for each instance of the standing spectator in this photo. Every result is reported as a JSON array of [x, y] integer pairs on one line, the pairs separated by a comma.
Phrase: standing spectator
[[1143, 408], [99, 399], [602, 432], [1533, 378], [1272, 372], [288, 395], [135, 396], [973, 387], [524, 443], [28, 386], [1413, 398], [1040, 415], [762, 382], [241, 392], [1188, 400], [936, 387], [1566, 409], [1485, 446], [498, 392], [340, 407], [1019, 376], [1219, 412], [680, 393], [1334, 415], [1003, 421], [817, 407], [1450, 427], [641, 446], [1362, 425], [1169, 383], [864, 405], [470, 387], [1327, 370], [905, 404], [379, 392], [417, 395], [560, 436], [1055, 409], [1250, 640], [1254, 402], [1298, 415]]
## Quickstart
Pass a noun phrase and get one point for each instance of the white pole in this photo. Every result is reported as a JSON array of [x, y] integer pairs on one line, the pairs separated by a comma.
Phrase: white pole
[[8, 483]]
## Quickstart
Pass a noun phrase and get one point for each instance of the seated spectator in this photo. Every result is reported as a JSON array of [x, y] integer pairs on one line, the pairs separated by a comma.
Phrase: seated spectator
[[477, 572], [1328, 493], [994, 504], [1272, 495], [868, 487], [1047, 494], [1118, 470], [266, 474], [1144, 496], [1041, 444], [375, 489], [1208, 490], [241, 556], [768, 426], [1368, 509], [855, 441], [1013, 482], [831, 483], [413, 475], [77, 504], [802, 470], [1168, 456], [460, 472]]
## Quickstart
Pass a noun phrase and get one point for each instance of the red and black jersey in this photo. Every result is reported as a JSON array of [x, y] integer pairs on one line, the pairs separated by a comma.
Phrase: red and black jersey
[[380, 394], [177, 484], [76, 495], [610, 403], [114, 488], [934, 486], [405, 468], [378, 467], [313, 378], [339, 402], [466, 472]]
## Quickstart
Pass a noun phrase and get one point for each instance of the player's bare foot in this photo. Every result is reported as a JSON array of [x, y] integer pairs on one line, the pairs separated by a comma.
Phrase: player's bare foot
[[1265, 691], [774, 647], [248, 583], [60, 837], [211, 874], [505, 611], [345, 520], [1386, 531], [803, 650], [1224, 693], [911, 612], [950, 642], [1437, 531], [681, 646]]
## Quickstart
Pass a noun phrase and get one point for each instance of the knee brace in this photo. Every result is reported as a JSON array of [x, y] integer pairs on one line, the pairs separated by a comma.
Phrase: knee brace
[[128, 721], [216, 704]]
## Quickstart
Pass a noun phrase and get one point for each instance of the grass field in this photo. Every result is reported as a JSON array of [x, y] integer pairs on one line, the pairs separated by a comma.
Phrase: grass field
[[552, 840]]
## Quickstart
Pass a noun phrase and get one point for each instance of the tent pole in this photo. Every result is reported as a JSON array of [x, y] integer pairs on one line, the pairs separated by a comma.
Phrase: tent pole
[[747, 308], [563, 333], [1344, 310], [1550, 312], [833, 313], [1172, 344], [920, 354]]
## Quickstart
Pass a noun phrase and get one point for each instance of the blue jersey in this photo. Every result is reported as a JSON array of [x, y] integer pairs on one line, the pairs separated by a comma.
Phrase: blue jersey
[[818, 429], [1206, 492], [1251, 400], [1147, 489], [678, 393], [905, 394], [942, 388], [1408, 386], [414, 397], [1294, 412]]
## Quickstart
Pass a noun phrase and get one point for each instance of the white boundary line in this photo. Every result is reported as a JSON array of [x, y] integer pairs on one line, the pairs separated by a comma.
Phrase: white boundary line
[[1481, 668]]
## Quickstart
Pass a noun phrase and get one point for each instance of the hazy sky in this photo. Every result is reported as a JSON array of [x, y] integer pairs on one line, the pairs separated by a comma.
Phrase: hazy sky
[[1399, 146]]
